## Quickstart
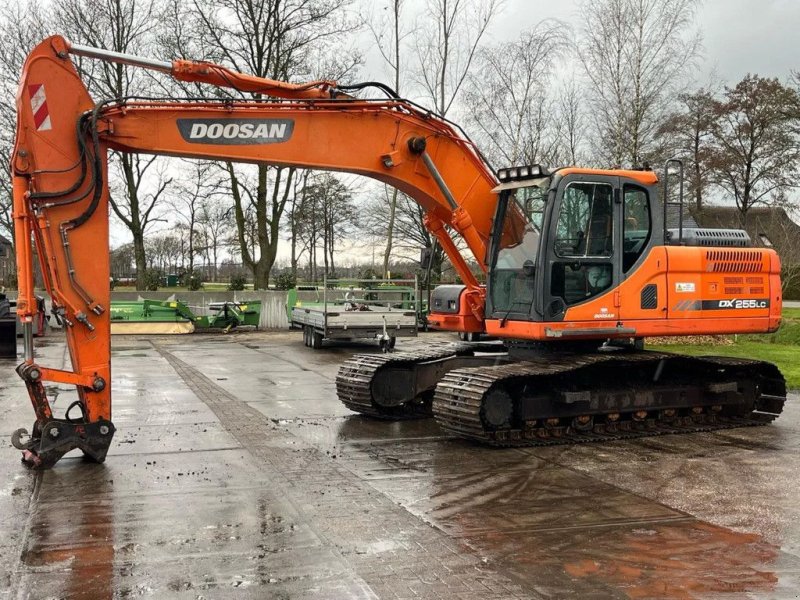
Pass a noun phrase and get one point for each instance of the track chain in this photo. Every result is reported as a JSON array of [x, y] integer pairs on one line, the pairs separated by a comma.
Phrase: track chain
[[354, 379], [459, 395]]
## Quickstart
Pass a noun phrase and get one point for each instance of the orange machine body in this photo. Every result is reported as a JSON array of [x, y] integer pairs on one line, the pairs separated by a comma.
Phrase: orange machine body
[[689, 281]]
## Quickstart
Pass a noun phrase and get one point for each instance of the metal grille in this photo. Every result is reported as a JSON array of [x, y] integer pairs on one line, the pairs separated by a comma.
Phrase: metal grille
[[649, 298]]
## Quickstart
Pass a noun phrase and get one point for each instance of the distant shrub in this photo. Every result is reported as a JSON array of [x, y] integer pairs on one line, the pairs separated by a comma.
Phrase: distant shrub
[[285, 281], [152, 280], [194, 280], [237, 283]]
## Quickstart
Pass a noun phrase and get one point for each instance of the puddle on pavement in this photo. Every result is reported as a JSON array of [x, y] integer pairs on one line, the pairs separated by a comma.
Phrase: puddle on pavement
[[77, 541], [559, 530], [680, 560], [556, 529]]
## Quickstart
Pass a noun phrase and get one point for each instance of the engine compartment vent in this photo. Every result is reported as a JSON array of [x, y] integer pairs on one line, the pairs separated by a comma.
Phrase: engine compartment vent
[[710, 238], [734, 261]]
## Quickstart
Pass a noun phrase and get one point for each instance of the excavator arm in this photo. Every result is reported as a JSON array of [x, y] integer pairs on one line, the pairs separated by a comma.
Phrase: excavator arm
[[60, 186]]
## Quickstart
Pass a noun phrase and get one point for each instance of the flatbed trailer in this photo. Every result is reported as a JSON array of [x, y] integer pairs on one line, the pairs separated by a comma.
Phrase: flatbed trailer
[[380, 310]]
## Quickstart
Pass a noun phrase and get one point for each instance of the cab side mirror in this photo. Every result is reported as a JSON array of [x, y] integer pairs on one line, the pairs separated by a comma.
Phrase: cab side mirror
[[425, 256]]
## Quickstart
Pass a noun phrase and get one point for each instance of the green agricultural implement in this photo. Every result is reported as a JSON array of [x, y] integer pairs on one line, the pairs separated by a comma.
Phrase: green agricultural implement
[[156, 317]]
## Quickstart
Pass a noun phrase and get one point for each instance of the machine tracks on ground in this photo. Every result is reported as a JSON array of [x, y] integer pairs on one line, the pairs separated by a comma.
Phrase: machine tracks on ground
[[354, 381], [463, 397]]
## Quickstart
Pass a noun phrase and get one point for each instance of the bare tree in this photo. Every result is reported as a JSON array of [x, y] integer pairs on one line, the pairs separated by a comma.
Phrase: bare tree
[[127, 26], [277, 39], [165, 250], [122, 261], [756, 155], [447, 41], [635, 54], [447, 44], [507, 93], [324, 213], [388, 35], [213, 227], [570, 125], [688, 133], [411, 235], [199, 182]]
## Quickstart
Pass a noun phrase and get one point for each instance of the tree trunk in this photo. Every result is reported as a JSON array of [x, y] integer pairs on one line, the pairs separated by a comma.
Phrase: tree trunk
[[260, 275], [698, 186], [389, 230], [325, 265], [191, 242], [214, 254], [140, 259], [332, 272]]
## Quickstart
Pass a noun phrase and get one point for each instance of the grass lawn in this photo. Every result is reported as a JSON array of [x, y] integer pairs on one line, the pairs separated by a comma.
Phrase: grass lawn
[[781, 348], [785, 356]]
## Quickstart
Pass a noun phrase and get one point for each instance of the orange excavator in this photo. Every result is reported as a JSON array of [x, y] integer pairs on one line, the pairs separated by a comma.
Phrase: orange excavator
[[580, 264]]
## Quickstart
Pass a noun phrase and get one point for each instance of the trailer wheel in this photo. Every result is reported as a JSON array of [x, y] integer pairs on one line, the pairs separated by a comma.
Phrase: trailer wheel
[[306, 341], [316, 340]]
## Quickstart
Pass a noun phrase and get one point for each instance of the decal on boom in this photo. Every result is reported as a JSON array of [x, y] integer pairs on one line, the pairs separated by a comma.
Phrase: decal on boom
[[236, 131]]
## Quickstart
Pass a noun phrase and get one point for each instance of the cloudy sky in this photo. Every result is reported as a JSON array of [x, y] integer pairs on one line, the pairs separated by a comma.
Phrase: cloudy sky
[[739, 36]]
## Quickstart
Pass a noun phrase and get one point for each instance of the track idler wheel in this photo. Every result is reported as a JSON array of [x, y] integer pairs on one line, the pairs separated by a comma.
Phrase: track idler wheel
[[48, 443], [498, 409]]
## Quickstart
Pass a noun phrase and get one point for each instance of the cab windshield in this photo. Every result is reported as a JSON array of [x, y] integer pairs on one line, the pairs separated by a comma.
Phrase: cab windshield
[[522, 225], [516, 245]]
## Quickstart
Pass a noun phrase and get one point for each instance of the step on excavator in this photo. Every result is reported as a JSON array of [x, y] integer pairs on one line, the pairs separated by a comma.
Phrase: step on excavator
[[580, 265]]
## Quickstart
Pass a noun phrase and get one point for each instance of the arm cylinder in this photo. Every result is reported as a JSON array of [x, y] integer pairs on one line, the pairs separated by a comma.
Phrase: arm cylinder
[[204, 72], [119, 57]]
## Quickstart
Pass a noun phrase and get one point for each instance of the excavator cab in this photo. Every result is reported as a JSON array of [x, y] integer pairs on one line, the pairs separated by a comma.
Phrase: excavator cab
[[562, 239]]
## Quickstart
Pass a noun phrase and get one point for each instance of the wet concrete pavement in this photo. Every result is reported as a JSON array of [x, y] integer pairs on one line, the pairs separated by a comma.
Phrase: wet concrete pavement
[[236, 473]]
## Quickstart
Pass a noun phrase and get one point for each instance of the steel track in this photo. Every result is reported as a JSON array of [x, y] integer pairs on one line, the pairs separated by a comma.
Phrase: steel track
[[458, 402], [354, 380], [459, 397]]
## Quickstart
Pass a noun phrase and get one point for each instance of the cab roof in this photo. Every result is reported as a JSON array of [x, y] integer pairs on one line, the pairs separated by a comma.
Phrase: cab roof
[[643, 177]]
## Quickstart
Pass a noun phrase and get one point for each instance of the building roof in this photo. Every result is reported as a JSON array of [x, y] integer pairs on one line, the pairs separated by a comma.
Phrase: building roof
[[767, 226], [4, 241]]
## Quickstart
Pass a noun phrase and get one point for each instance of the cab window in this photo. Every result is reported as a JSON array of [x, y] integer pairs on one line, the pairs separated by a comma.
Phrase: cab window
[[586, 221], [584, 233], [637, 225]]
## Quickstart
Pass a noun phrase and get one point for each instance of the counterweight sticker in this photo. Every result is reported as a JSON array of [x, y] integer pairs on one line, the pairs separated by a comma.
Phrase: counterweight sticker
[[235, 131], [733, 303], [41, 115]]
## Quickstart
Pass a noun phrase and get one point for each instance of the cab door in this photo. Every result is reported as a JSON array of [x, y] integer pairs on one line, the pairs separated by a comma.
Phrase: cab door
[[642, 292], [584, 258]]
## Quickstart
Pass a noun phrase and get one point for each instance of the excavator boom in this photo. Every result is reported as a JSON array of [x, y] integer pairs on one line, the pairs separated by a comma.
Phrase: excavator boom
[[61, 192]]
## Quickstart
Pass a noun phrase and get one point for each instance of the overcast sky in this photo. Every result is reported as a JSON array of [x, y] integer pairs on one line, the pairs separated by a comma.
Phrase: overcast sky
[[739, 36]]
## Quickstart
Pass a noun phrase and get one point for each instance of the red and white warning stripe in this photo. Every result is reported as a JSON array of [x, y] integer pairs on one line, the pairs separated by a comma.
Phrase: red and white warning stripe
[[41, 116]]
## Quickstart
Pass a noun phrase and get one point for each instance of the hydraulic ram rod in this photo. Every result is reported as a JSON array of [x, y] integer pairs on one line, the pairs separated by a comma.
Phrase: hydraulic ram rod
[[119, 57], [205, 72]]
